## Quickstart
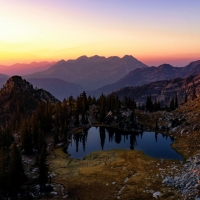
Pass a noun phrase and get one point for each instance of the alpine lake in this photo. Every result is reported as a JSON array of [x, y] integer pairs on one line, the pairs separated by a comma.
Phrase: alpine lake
[[94, 139]]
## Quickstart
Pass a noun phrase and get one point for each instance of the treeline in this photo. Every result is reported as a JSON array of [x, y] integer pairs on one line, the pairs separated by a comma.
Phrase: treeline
[[155, 105]]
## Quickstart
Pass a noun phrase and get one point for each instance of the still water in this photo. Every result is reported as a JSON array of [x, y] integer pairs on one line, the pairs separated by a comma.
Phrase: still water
[[100, 138]]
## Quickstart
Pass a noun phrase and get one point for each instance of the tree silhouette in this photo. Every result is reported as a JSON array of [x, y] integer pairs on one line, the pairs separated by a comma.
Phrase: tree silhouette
[[102, 132], [16, 174], [43, 168], [186, 98]]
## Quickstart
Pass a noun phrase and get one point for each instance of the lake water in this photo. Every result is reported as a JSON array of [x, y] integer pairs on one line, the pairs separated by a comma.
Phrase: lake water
[[100, 138]]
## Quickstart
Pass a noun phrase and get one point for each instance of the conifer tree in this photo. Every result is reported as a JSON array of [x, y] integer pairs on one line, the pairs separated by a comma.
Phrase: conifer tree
[[43, 168], [16, 174], [3, 172], [55, 135], [149, 104], [172, 107], [194, 94], [27, 144], [186, 98], [102, 108], [176, 101], [41, 140]]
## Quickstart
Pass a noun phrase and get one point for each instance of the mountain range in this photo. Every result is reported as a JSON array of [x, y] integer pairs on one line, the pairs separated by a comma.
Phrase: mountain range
[[143, 76], [91, 72], [164, 90], [66, 78], [22, 69]]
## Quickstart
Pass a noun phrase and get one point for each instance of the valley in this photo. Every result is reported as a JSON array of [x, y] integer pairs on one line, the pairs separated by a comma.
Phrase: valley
[[142, 145], [99, 100], [146, 175]]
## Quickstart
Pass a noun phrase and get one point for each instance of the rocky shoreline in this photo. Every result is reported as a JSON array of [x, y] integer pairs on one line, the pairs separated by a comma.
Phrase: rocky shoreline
[[188, 179]]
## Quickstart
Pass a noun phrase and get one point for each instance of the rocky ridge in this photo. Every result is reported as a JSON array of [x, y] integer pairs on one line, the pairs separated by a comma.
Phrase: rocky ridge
[[163, 91], [143, 76]]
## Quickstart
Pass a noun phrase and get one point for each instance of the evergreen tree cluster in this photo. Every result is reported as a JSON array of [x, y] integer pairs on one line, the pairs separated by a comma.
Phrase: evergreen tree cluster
[[11, 171], [152, 106], [174, 103]]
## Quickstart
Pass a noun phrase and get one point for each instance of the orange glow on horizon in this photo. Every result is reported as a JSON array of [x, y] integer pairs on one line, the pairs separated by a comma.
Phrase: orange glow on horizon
[[54, 30]]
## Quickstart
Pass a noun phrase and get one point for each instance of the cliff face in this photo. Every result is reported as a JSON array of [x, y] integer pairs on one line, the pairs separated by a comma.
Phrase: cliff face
[[163, 90]]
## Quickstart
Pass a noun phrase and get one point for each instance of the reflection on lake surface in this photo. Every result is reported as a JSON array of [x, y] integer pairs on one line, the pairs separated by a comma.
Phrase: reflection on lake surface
[[100, 138]]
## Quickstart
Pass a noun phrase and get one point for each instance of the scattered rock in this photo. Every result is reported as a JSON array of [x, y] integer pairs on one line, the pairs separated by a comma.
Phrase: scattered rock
[[157, 194]]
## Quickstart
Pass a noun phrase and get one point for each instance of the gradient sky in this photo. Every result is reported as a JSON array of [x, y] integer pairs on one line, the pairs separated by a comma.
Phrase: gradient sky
[[153, 31]]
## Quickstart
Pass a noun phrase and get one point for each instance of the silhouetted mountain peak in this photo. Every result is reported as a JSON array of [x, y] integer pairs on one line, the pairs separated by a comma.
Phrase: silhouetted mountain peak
[[96, 57], [128, 57], [193, 64], [17, 85], [165, 66], [61, 62], [82, 57]]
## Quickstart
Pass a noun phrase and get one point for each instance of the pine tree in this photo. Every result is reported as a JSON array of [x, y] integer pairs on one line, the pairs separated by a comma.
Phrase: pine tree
[[176, 101], [172, 107], [102, 108], [194, 94], [186, 98], [55, 135], [41, 140], [3, 172], [16, 174], [149, 104], [43, 168], [27, 144]]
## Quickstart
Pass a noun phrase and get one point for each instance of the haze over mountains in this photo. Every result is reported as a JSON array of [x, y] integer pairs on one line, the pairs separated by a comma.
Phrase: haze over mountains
[[143, 76], [22, 69], [66, 78], [91, 72], [163, 91], [59, 88]]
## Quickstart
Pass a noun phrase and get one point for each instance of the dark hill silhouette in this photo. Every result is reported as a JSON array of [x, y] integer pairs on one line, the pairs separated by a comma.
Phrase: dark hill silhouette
[[18, 97]]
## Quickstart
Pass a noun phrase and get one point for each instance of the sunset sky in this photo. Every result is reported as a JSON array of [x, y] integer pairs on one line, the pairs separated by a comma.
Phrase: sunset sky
[[153, 31]]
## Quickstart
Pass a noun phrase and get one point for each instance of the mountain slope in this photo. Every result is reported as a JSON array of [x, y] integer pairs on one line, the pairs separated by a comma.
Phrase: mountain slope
[[4, 76], [163, 90], [18, 97], [91, 72], [146, 75], [57, 87]]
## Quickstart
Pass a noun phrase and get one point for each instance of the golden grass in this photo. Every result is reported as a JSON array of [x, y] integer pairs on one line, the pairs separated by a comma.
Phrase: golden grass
[[92, 178]]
